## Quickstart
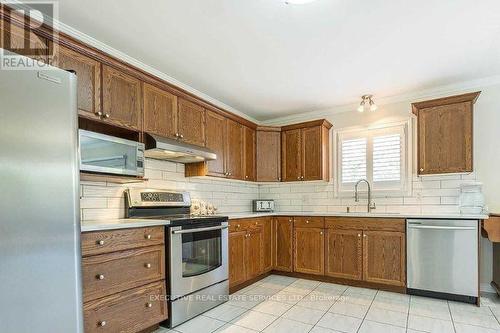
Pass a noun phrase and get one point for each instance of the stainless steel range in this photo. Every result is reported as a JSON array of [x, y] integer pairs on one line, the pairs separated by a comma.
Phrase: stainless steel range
[[197, 248]]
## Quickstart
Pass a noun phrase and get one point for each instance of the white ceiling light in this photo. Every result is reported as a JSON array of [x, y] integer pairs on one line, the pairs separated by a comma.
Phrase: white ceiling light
[[367, 103], [297, 2]]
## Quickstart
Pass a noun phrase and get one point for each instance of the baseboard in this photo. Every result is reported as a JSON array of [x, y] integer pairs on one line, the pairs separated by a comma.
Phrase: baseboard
[[486, 288]]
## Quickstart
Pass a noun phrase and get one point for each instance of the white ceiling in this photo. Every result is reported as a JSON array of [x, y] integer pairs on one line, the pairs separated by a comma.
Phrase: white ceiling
[[268, 59]]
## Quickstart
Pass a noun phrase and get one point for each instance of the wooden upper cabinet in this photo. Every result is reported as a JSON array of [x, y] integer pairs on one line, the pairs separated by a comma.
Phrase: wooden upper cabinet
[[191, 122], [309, 250], [291, 159], [283, 244], [445, 134], [160, 111], [234, 150], [121, 98], [268, 155], [305, 151], [344, 255], [384, 258], [88, 72], [215, 139], [14, 38], [249, 153]]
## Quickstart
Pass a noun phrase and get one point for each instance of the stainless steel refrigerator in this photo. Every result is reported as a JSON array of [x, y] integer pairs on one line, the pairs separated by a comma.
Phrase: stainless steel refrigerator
[[40, 272]]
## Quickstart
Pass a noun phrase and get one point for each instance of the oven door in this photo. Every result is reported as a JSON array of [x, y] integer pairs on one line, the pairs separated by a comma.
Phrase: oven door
[[198, 257]]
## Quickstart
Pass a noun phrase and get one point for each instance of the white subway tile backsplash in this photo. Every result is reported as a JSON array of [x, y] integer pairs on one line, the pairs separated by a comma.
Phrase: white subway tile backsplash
[[431, 194]]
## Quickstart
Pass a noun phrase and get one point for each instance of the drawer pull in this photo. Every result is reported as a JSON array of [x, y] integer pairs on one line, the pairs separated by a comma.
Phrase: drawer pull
[[149, 305], [238, 226], [100, 242], [102, 323], [321, 232], [148, 265], [307, 221], [359, 235], [147, 236], [99, 277]]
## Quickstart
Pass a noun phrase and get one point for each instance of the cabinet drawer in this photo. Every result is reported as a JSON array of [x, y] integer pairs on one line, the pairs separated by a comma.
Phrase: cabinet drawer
[[309, 222], [107, 274], [98, 242], [129, 311], [240, 224], [365, 223]]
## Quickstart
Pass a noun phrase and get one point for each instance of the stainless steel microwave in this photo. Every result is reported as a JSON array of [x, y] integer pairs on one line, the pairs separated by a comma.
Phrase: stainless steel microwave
[[100, 153]]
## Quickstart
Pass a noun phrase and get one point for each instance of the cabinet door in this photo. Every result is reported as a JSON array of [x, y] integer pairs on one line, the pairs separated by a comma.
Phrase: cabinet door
[[283, 235], [384, 257], [309, 250], [249, 155], [88, 72], [268, 156], [160, 111], [26, 43], [234, 149], [121, 98], [253, 255], [191, 122], [312, 160], [266, 224], [215, 131], [237, 244], [291, 159], [445, 139], [344, 254]]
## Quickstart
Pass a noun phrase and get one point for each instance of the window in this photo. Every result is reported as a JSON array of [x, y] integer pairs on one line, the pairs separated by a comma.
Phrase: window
[[377, 154]]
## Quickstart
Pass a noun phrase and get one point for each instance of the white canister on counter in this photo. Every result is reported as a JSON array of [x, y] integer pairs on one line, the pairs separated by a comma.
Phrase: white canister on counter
[[471, 198]]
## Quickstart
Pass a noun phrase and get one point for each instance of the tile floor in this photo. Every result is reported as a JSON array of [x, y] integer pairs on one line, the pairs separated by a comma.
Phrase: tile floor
[[279, 304]]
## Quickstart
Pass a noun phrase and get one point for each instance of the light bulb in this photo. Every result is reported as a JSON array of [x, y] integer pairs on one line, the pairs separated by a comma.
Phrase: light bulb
[[373, 107], [361, 108]]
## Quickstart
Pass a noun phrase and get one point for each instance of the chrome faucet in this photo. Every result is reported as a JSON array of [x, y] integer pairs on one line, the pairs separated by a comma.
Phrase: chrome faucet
[[356, 195]]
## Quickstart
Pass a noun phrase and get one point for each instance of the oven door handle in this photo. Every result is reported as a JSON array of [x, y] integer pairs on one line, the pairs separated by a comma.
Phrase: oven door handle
[[189, 231]]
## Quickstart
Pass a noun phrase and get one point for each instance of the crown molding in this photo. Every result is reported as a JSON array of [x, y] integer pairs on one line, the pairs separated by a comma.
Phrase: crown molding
[[128, 59], [410, 97]]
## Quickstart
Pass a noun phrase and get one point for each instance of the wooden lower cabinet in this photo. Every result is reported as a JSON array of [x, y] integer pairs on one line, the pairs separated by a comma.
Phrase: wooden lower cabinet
[[237, 251], [283, 244], [384, 257], [309, 250], [344, 254], [249, 249], [130, 311], [123, 275]]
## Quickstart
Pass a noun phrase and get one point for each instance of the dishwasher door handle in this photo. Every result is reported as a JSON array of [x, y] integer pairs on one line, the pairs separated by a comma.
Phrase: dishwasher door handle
[[439, 227]]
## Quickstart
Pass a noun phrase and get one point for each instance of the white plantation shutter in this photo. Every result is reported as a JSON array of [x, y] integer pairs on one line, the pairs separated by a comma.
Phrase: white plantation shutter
[[353, 160], [378, 155], [387, 158]]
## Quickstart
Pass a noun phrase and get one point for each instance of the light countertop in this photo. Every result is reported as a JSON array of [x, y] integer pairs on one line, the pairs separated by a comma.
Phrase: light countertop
[[138, 223]]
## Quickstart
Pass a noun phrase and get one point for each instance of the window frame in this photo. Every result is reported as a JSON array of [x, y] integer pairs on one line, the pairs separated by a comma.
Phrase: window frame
[[404, 128]]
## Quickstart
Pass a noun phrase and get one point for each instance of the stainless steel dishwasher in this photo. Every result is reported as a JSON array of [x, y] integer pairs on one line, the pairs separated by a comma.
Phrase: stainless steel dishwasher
[[442, 258]]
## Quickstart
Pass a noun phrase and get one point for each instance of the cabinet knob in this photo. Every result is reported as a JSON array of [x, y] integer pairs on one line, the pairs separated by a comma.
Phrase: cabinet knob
[[147, 236], [307, 221], [239, 225], [176, 135], [147, 265], [359, 235], [106, 115], [256, 223], [246, 177], [302, 177], [229, 174], [100, 242], [279, 179], [102, 323], [321, 232], [98, 113], [298, 177], [421, 169], [290, 220], [99, 277], [181, 136], [149, 305], [364, 235]]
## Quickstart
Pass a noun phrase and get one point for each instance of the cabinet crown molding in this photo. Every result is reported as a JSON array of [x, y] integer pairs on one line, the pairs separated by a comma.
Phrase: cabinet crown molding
[[469, 97]]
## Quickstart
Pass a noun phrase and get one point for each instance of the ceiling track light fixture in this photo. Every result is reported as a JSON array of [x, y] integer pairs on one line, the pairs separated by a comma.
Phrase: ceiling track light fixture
[[367, 103]]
